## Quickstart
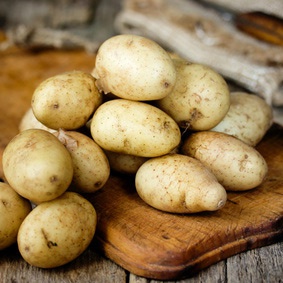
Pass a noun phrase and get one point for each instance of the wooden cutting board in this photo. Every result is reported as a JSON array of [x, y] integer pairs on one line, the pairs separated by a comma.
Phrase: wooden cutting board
[[160, 245], [143, 240]]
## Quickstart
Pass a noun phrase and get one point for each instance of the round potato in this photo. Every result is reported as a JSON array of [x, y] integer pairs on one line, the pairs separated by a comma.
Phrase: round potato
[[248, 119], [134, 67], [66, 100], [91, 166], [200, 99], [237, 166], [169, 183], [37, 165], [57, 231], [13, 210], [124, 163], [135, 128]]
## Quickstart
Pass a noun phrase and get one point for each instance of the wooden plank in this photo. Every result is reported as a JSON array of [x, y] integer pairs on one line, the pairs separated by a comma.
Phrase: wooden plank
[[258, 265], [90, 267], [215, 273]]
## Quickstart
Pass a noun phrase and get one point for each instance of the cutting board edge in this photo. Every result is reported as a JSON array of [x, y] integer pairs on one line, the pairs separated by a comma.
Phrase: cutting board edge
[[190, 267]]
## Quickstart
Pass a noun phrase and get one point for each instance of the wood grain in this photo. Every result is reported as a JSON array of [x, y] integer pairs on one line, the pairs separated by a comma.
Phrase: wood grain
[[255, 266], [89, 267], [159, 245]]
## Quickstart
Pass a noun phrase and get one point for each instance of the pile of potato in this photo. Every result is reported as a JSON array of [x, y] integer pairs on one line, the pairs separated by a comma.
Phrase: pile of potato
[[143, 111]]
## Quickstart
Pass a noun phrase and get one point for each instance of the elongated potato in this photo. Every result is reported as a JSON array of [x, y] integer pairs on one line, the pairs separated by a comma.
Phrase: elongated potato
[[134, 67], [248, 119], [179, 184], [91, 165], [236, 165], [200, 98], [135, 128]]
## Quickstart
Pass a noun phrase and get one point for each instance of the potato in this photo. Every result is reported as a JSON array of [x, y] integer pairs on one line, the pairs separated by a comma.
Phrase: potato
[[13, 210], [57, 231], [237, 166], [124, 163], [91, 166], [200, 99], [29, 121], [135, 128], [179, 184], [37, 165], [66, 100], [248, 119], [134, 67]]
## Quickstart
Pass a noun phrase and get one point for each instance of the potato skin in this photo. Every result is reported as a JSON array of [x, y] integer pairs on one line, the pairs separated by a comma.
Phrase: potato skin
[[57, 231], [37, 165], [133, 67], [248, 119], [169, 183], [29, 121], [200, 98], [125, 163], [13, 210], [91, 165], [66, 100], [237, 166], [135, 128]]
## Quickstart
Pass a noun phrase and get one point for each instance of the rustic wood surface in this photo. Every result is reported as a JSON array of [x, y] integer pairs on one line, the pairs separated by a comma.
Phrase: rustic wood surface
[[160, 245], [20, 73]]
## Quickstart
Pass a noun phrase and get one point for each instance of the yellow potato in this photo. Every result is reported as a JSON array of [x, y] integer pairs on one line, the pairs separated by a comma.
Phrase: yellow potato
[[29, 121], [57, 231], [124, 163], [13, 210], [91, 166], [248, 119], [37, 165], [179, 184], [200, 99], [134, 67], [236, 165], [66, 100], [135, 128]]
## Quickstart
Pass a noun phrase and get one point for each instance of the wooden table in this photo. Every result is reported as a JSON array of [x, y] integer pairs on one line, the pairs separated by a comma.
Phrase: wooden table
[[262, 265], [20, 73]]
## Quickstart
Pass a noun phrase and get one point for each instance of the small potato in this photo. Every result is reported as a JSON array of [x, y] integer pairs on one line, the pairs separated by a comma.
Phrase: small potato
[[135, 128], [29, 121], [124, 163], [57, 231], [13, 210], [200, 99], [91, 166], [37, 165], [66, 100], [134, 67], [179, 184], [248, 119], [237, 166]]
